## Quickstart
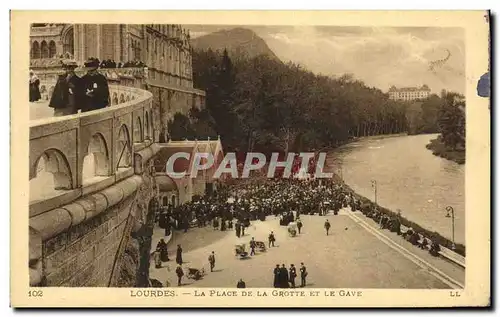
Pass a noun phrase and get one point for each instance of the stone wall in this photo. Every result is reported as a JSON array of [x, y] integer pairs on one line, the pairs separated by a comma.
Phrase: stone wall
[[99, 234], [100, 251], [85, 255]]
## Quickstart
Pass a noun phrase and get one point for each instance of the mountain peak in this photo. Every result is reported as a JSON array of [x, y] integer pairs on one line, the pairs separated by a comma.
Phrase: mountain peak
[[237, 41]]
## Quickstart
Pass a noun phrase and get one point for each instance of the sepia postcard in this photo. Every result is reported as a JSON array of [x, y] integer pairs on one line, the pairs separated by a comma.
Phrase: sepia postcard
[[250, 159]]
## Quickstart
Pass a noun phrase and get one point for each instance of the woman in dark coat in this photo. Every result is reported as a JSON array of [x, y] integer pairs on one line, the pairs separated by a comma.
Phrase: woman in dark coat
[[162, 246], [178, 257], [283, 277], [34, 88], [276, 272]]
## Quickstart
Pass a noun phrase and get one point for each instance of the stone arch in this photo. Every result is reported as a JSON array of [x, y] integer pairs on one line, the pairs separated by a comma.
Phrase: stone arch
[[146, 126], [96, 162], [165, 200], [128, 98], [122, 98], [44, 48], [57, 164], [138, 131], [52, 49], [174, 201], [115, 98], [35, 50], [49, 173], [133, 97], [124, 152], [166, 184]]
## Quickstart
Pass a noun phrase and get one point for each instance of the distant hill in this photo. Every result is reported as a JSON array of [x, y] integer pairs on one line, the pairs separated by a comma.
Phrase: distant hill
[[238, 42]]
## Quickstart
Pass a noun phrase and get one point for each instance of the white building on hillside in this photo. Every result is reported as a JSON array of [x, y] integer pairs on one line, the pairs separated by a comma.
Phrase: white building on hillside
[[409, 93]]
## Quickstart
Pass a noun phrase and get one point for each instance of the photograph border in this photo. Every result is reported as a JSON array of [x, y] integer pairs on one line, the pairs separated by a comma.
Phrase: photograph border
[[478, 273]]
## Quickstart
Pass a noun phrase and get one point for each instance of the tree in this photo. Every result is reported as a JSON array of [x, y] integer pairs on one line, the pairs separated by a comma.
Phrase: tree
[[263, 104], [452, 121]]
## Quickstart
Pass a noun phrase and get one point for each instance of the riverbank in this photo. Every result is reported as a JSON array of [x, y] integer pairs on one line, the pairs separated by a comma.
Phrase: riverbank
[[439, 149], [433, 235]]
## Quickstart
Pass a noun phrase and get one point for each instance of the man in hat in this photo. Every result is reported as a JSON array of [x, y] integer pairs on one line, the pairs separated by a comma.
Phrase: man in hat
[[67, 95], [95, 87]]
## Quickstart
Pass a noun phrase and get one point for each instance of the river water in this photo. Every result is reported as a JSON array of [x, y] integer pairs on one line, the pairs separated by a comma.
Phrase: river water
[[408, 177]]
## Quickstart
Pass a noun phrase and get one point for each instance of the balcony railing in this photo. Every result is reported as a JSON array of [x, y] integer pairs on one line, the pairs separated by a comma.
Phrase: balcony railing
[[87, 152]]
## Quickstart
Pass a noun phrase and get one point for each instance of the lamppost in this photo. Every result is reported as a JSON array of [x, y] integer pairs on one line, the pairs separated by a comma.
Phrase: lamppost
[[452, 216], [374, 185]]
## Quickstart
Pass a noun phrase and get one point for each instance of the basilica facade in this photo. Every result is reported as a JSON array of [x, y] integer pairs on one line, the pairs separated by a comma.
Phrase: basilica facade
[[164, 48]]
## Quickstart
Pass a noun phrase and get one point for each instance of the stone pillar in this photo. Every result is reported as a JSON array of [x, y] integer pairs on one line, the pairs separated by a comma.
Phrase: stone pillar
[[125, 43], [99, 44], [82, 43], [79, 49]]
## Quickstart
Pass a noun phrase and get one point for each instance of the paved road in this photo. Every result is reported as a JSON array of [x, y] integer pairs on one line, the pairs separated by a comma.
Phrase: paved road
[[350, 257]]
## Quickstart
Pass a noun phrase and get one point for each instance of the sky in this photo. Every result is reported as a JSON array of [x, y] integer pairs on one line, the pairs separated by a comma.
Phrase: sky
[[379, 56]]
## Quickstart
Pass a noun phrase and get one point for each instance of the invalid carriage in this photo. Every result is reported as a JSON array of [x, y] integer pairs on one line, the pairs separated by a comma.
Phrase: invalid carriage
[[292, 229]]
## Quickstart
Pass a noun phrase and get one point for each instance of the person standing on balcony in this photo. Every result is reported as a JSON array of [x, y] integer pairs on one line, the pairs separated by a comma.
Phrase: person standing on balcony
[[67, 95], [34, 87], [95, 87]]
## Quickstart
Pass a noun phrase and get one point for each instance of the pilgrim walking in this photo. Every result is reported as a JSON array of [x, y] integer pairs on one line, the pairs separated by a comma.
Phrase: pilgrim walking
[[178, 257]]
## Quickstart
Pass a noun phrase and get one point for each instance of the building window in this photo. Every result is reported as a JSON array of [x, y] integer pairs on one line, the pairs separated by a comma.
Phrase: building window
[[45, 49], [35, 50], [52, 49], [68, 42]]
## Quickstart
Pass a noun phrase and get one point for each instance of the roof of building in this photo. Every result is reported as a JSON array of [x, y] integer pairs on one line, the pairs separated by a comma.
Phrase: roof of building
[[409, 89]]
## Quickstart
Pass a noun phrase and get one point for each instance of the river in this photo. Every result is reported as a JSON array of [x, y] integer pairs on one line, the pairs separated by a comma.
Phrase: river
[[409, 177]]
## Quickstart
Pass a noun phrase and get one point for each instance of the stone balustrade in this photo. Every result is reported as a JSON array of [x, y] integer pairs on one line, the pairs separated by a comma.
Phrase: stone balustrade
[[113, 135], [98, 169], [51, 68]]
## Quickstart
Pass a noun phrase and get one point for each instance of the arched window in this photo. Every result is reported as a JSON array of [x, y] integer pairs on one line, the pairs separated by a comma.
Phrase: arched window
[[115, 98], [45, 49], [138, 131], [146, 127], [122, 98], [96, 162], [52, 49], [35, 50], [174, 201], [68, 42], [123, 148], [165, 200]]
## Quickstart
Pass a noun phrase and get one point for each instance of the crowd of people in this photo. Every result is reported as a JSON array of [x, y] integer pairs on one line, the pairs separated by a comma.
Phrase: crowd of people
[[73, 93], [110, 63], [235, 207], [393, 224], [229, 208]]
